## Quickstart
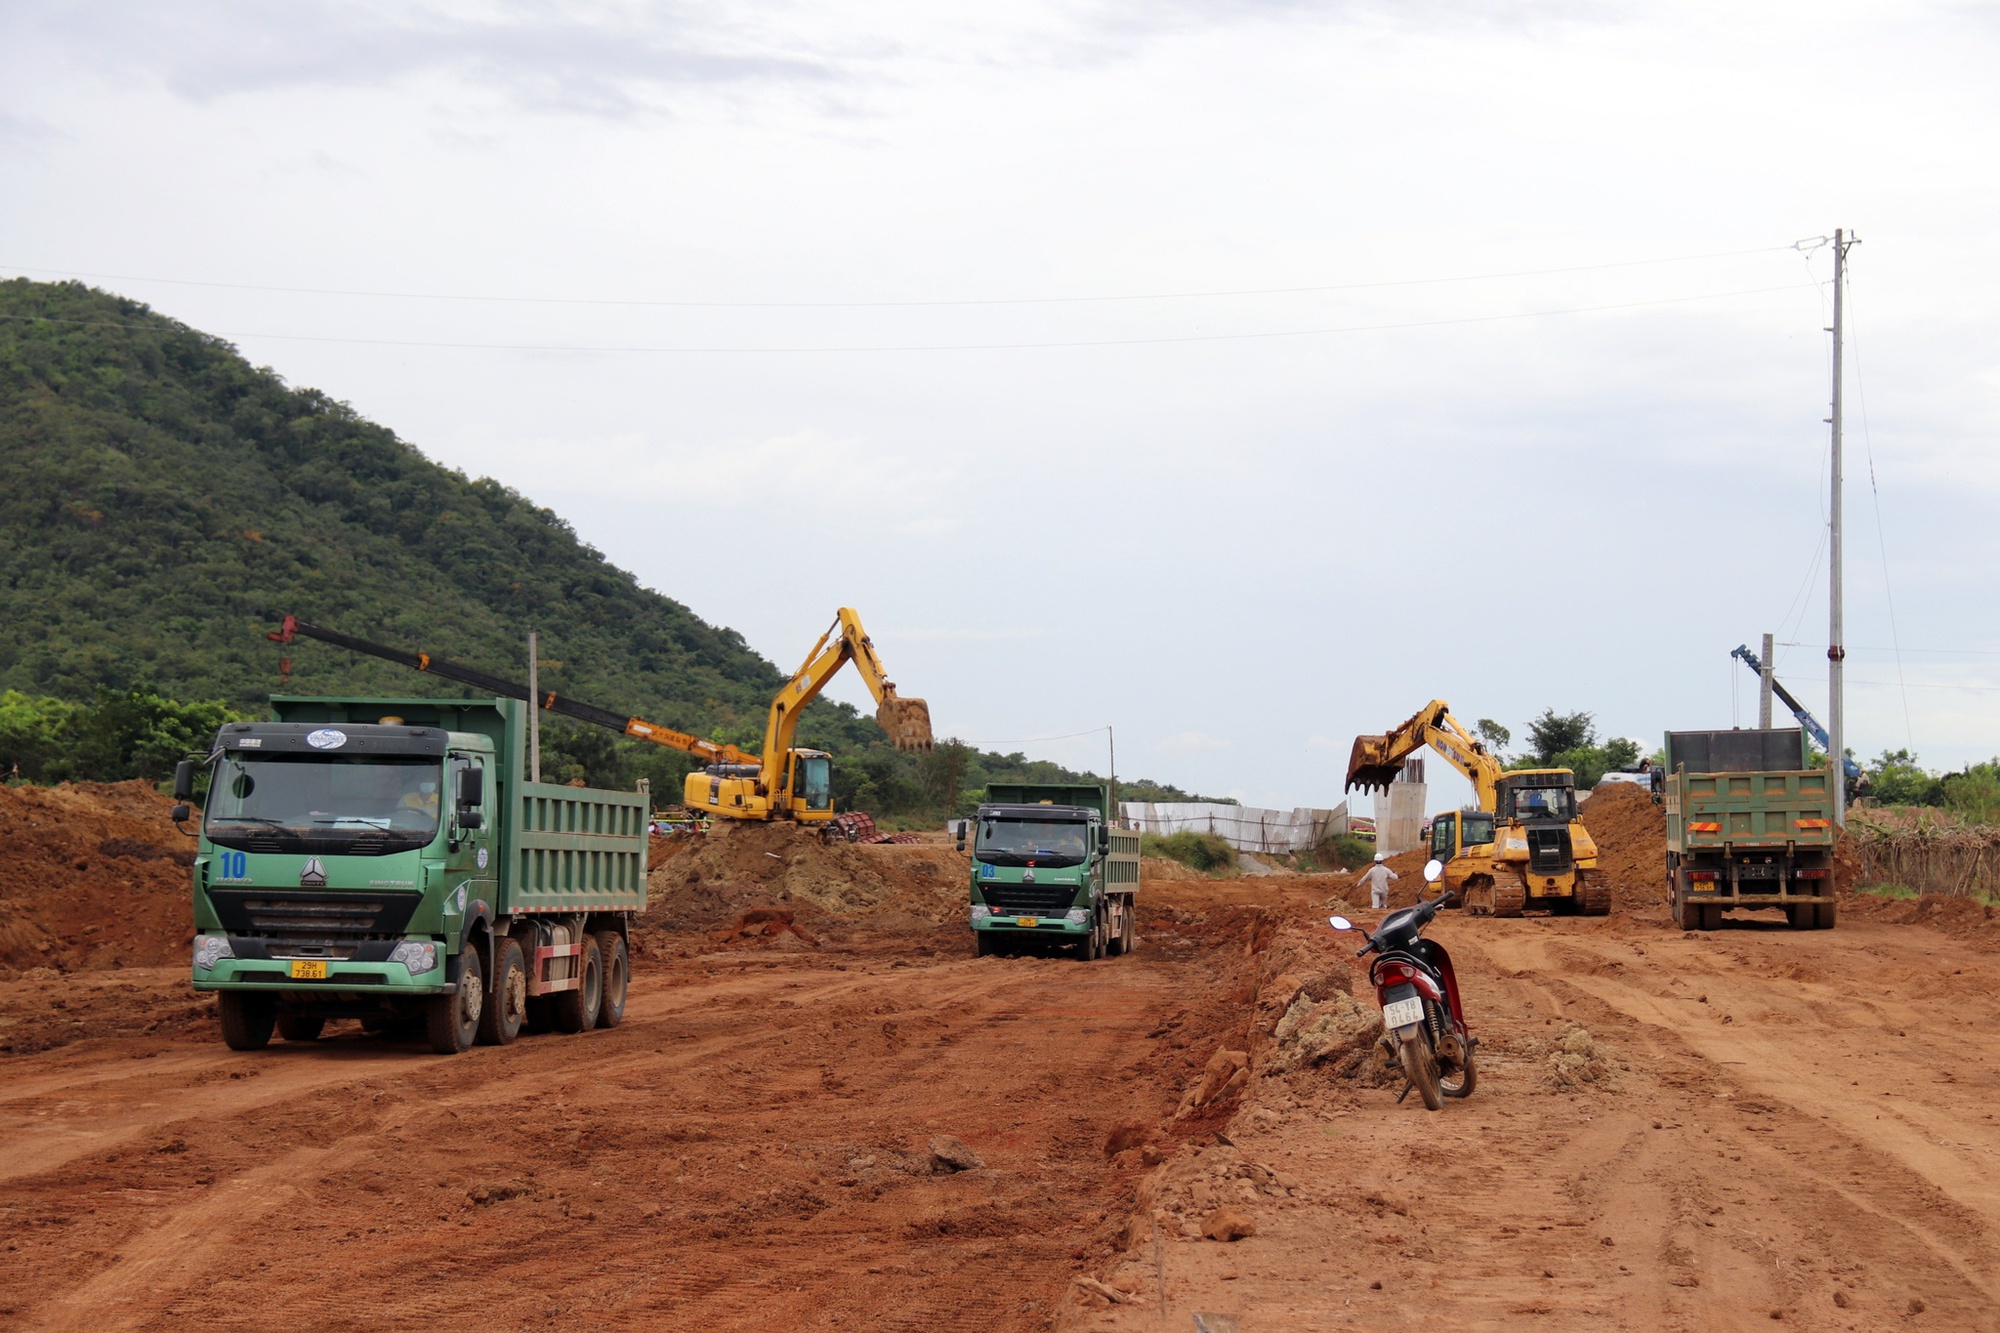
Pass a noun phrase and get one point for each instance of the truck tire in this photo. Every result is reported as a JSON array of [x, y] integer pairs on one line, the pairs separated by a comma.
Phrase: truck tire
[[1829, 912], [541, 1016], [247, 1018], [1711, 916], [1092, 947], [1128, 930], [507, 1000], [1687, 915], [617, 975], [576, 1010], [984, 944], [300, 1027], [452, 1021], [1802, 916]]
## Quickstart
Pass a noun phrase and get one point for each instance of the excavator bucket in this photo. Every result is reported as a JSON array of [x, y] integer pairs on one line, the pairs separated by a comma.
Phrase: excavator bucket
[[1369, 765], [908, 722]]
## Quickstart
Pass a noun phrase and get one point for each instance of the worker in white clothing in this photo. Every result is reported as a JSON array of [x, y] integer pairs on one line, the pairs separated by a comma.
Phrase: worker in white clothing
[[1377, 877]]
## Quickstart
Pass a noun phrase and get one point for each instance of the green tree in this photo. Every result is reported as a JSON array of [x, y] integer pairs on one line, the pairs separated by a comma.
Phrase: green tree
[[34, 734], [1497, 737], [1975, 793], [1897, 778], [1553, 733]]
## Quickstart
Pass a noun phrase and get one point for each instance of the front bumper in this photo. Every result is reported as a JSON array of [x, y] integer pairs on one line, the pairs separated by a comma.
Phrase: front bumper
[[262, 974], [1031, 925]]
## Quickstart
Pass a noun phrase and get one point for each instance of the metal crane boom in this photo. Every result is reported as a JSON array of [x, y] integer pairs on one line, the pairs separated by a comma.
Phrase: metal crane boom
[[1799, 710], [709, 752]]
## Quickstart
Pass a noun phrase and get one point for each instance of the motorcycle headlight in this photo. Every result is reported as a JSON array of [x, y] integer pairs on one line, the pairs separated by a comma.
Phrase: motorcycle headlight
[[1076, 916], [416, 955], [209, 950]]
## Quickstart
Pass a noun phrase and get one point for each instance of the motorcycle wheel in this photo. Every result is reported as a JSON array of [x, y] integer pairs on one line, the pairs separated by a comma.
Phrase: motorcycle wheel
[[1462, 1080], [1421, 1069]]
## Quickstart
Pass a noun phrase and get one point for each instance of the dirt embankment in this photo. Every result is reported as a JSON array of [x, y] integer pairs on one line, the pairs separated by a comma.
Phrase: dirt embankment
[[1631, 837], [91, 876]]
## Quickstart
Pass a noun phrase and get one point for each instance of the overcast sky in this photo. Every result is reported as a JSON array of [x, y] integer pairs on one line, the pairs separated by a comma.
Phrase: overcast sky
[[1240, 375]]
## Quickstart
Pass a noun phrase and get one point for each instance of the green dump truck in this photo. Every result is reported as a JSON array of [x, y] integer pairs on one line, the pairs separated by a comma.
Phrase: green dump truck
[[1047, 865], [388, 860], [1748, 825]]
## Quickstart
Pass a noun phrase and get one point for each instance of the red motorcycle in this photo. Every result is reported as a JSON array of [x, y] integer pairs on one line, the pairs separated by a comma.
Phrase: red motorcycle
[[1423, 1022]]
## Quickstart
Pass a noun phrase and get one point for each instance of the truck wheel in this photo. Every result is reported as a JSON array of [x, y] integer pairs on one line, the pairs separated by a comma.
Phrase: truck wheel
[[1802, 916], [1711, 916], [452, 1021], [617, 973], [1828, 913], [984, 945], [1128, 931], [247, 1018], [576, 1010], [299, 1027], [507, 1004], [541, 1016]]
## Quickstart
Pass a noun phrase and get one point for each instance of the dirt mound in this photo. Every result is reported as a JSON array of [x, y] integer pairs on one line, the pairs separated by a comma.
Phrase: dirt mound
[[1965, 919], [1631, 837], [92, 875], [704, 883]]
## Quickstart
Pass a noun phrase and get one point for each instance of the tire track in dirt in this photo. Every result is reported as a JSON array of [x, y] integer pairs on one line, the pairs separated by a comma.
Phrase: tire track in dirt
[[748, 1150]]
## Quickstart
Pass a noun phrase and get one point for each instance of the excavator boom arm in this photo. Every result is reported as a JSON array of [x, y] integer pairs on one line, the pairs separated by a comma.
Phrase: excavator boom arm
[[1376, 760], [908, 721], [709, 752]]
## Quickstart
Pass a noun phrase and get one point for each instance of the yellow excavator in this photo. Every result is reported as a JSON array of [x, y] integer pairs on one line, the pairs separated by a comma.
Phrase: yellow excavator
[[784, 783], [789, 783], [1520, 848]]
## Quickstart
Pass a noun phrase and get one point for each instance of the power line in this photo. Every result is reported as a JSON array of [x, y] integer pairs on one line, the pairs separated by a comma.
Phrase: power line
[[944, 347], [900, 305]]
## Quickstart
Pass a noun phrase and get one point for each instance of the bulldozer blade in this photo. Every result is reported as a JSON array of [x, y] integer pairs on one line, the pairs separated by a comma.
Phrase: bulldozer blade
[[1365, 766], [908, 722]]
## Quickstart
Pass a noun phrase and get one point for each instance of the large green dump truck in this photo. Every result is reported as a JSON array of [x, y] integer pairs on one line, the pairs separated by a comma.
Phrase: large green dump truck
[[388, 860], [1047, 865], [1748, 825]]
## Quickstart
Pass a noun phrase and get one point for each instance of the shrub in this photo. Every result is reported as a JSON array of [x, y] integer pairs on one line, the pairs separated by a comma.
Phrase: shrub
[[1346, 850], [1206, 852]]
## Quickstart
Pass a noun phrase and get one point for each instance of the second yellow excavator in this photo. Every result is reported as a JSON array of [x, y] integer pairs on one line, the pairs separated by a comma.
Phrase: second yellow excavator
[[1520, 848], [788, 783]]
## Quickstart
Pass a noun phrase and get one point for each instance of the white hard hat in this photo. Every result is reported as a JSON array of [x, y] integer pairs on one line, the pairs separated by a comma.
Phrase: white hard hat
[[1380, 857]]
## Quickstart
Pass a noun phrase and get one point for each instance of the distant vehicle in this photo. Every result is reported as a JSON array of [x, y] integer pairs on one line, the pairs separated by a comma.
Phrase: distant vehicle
[[1748, 825], [1047, 865]]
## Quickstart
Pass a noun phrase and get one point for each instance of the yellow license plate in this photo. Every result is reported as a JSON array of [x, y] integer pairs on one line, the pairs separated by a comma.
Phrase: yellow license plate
[[308, 969], [1024, 921]]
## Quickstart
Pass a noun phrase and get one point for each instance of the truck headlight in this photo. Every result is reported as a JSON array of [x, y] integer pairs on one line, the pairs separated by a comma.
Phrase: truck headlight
[[1076, 916], [209, 950], [416, 955], [980, 911]]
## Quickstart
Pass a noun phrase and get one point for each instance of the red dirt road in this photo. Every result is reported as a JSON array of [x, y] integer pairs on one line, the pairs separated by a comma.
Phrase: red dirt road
[[748, 1150]]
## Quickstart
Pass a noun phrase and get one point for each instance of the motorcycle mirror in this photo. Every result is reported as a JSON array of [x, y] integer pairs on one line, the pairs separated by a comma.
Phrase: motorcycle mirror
[[1433, 871], [1340, 923]]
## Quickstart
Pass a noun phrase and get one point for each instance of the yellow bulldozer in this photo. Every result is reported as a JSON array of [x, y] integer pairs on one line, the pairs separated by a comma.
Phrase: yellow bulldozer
[[1520, 848]]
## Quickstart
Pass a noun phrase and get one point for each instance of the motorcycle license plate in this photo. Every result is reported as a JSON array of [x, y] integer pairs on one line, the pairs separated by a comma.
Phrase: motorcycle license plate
[[1402, 1013]]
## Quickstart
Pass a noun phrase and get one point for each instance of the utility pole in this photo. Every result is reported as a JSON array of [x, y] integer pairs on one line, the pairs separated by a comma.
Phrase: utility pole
[[1764, 688], [1836, 650], [534, 712], [1111, 739]]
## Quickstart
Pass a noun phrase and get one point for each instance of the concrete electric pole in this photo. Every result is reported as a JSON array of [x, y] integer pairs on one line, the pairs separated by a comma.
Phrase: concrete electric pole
[[1836, 649]]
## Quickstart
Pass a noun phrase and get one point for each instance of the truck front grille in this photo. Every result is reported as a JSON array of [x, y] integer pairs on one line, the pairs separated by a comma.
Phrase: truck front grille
[[1029, 899], [315, 923]]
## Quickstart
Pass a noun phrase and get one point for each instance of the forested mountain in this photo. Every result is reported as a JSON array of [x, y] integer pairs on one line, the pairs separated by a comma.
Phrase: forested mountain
[[163, 503]]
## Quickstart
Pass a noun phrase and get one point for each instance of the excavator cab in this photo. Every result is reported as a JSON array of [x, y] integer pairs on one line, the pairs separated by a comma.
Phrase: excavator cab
[[1457, 830], [812, 779]]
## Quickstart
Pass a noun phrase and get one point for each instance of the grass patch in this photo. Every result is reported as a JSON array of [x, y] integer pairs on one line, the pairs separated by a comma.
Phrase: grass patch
[[1343, 851], [1206, 852], [1889, 890]]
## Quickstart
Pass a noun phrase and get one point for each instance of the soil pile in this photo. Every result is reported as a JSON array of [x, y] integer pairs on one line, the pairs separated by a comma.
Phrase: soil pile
[[1631, 837], [706, 882], [91, 875]]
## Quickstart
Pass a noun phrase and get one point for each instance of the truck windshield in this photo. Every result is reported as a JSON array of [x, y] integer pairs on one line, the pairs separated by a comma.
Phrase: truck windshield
[[1544, 803], [323, 803], [1016, 842]]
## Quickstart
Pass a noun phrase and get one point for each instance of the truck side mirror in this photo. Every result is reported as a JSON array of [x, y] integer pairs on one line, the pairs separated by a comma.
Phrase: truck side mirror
[[1104, 837], [184, 781], [471, 787], [961, 835]]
